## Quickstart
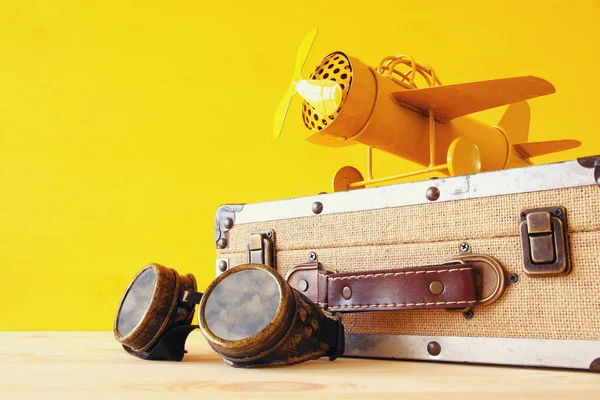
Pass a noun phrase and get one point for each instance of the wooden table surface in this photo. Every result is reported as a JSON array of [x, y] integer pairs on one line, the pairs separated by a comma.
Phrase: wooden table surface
[[91, 365]]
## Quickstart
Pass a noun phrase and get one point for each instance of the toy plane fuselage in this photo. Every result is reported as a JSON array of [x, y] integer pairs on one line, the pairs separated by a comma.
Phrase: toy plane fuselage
[[421, 125]]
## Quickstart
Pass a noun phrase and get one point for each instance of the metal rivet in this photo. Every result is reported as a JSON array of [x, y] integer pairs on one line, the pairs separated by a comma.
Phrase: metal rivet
[[513, 278], [595, 365], [477, 280], [223, 266], [523, 215], [312, 256], [317, 207], [468, 314], [464, 247], [346, 292], [269, 234], [557, 212], [434, 348], [436, 287], [228, 224], [303, 285], [433, 193], [222, 243]]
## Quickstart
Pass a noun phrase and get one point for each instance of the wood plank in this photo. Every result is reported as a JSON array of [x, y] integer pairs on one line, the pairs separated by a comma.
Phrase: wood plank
[[91, 365]]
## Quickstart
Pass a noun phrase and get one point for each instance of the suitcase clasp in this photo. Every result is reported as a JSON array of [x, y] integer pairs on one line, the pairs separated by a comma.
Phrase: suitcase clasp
[[544, 233], [260, 248]]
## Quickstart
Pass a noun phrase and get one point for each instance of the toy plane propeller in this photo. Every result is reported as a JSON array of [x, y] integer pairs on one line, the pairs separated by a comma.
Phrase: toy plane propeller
[[383, 108], [324, 95]]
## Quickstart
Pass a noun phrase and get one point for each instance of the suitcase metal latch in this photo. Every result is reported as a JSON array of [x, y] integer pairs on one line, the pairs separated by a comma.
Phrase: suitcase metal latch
[[544, 233], [260, 249]]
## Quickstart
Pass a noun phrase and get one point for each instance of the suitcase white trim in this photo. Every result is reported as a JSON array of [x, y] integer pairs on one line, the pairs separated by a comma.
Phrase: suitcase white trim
[[496, 183], [576, 354]]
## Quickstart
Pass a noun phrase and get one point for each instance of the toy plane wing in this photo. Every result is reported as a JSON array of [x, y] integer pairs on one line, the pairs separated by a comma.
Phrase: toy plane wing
[[535, 149], [328, 141], [453, 101]]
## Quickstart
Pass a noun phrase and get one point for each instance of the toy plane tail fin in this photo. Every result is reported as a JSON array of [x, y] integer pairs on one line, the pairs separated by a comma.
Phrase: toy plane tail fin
[[515, 122]]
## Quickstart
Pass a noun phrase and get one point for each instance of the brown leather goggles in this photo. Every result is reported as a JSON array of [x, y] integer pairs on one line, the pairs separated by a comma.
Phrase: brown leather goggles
[[250, 315]]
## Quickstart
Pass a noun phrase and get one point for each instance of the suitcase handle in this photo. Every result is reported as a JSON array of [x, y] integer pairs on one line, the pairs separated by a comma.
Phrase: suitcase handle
[[461, 283]]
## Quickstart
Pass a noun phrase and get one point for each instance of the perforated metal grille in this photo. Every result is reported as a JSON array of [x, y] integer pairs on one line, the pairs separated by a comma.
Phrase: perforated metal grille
[[335, 67]]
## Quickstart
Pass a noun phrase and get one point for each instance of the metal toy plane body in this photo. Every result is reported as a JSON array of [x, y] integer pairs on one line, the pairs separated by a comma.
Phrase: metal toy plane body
[[382, 108]]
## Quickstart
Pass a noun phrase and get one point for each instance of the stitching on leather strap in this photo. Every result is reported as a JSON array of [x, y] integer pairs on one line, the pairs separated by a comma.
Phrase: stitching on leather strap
[[403, 304], [400, 273]]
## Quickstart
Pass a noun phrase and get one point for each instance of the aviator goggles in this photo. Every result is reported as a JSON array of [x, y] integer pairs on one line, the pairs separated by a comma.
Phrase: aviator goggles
[[249, 315]]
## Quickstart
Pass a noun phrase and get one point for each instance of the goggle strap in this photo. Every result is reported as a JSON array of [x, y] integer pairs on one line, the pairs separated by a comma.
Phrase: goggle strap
[[191, 297], [171, 347], [332, 334]]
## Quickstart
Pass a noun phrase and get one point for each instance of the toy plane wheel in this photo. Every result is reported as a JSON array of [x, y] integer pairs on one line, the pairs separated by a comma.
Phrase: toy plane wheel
[[344, 177], [463, 157]]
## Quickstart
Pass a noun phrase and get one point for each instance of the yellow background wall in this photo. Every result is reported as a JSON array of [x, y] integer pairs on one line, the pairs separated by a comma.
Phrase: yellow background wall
[[124, 124]]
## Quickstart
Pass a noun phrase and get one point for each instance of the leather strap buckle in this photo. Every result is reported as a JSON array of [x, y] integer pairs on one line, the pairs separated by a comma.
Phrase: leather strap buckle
[[490, 281], [310, 280]]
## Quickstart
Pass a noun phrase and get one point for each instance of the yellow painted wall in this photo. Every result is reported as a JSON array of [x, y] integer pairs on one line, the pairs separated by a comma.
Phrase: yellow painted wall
[[124, 124]]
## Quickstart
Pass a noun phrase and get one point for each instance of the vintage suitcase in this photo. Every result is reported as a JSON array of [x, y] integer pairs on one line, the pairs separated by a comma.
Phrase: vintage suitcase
[[495, 268]]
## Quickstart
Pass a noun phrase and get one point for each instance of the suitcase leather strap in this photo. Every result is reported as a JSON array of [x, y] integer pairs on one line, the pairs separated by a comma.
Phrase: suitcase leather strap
[[431, 287]]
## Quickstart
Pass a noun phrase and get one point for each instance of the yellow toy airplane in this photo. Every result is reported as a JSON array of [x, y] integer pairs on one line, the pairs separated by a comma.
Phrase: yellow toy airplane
[[346, 102]]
